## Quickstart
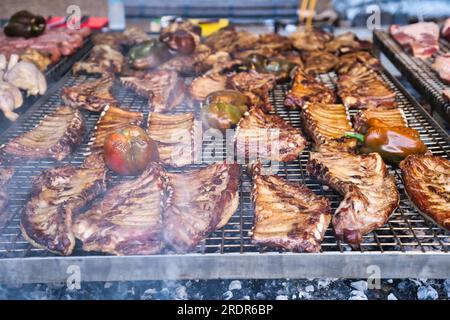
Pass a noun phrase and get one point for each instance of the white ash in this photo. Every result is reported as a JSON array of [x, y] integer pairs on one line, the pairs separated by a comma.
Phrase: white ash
[[282, 297], [427, 293], [227, 295], [360, 285], [246, 297], [446, 285], [235, 285], [357, 295], [309, 288], [392, 296], [261, 296], [181, 293]]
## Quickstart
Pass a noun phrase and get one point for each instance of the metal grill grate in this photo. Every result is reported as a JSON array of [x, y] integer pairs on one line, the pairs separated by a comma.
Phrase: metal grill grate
[[417, 71], [406, 231]]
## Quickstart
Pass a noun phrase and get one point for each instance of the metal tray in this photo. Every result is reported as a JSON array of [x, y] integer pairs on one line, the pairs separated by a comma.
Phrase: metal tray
[[52, 74], [417, 71], [407, 246]]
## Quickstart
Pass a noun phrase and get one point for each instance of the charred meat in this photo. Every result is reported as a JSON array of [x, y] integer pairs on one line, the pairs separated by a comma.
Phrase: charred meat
[[306, 88], [164, 89], [288, 215], [347, 42], [319, 62], [58, 195], [269, 137], [129, 219], [256, 86], [174, 135], [327, 124], [306, 40], [202, 86], [427, 182], [347, 61], [201, 201], [370, 194], [56, 136], [362, 88], [102, 59], [92, 95]]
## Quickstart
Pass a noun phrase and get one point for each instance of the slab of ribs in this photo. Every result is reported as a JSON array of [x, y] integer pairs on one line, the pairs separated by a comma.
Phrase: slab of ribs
[[288, 215], [427, 183], [370, 194], [56, 136], [421, 38]]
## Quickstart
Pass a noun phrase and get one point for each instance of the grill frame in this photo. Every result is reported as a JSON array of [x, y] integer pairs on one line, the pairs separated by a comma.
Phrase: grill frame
[[405, 247], [417, 71]]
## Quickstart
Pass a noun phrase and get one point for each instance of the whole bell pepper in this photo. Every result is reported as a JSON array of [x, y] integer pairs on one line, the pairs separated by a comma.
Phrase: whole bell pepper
[[148, 54], [25, 24], [280, 68], [221, 115], [392, 143]]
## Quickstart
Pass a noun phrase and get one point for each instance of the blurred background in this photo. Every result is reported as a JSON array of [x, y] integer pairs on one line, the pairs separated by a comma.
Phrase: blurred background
[[340, 12]]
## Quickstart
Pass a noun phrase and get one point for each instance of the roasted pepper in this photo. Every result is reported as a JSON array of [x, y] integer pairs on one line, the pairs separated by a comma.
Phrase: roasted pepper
[[25, 24], [280, 68], [392, 143], [221, 115], [148, 54], [232, 97]]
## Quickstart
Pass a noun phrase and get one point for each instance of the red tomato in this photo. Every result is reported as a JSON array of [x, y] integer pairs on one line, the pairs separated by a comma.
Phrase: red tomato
[[129, 151]]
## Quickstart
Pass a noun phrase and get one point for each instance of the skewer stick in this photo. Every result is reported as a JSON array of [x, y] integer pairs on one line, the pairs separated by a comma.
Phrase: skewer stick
[[311, 11], [303, 7]]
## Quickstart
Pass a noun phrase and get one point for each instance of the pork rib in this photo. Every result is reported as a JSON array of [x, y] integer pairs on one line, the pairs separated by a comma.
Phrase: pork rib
[[288, 215], [327, 124], [128, 220], [421, 38], [362, 88], [427, 183], [256, 86], [92, 95], [57, 195], [202, 201], [163, 88], [174, 135], [370, 194], [392, 117], [56, 136], [268, 136], [306, 88], [347, 61]]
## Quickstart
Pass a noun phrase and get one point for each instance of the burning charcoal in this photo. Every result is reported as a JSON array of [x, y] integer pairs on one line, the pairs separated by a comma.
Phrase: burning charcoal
[[391, 296], [357, 295], [227, 295], [282, 297], [235, 285], [359, 285], [181, 293]]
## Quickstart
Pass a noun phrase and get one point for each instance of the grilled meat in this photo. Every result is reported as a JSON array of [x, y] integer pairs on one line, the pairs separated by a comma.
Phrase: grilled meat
[[256, 86], [446, 29], [128, 220], [347, 42], [327, 124], [442, 66], [10, 99], [102, 59], [306, 88], [427, 182], [164, 88], [174, 135], [5, 175], [201, 201], [112, 119], [58, 194], [189, 64], [202, 86], [26, 76], [421, 38], [347, 61], [92, 95], [56, 136], [370, 194], [319, 62], [362, 88], [392, 117], [288, 215], [269, 136], [310, 40], [222, 40], [111, 39]]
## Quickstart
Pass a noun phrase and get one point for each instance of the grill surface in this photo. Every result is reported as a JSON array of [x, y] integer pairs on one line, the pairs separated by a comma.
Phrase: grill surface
[[417, 71], [229, 252]]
